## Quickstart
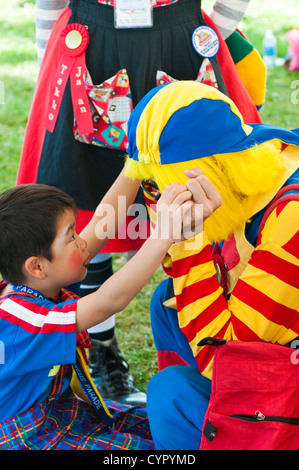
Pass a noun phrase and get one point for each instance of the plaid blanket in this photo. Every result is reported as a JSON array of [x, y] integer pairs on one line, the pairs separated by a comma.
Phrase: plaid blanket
[[67, 423]]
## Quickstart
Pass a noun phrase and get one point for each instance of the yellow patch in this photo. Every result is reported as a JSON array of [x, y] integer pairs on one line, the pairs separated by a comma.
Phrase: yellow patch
[[53, 371], [252, 71]]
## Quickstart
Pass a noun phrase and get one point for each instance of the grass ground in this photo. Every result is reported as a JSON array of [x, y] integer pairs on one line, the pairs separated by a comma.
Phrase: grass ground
[[18, 73]]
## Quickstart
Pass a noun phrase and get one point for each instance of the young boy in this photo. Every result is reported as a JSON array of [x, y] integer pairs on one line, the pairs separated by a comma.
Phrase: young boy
[[42, 325]]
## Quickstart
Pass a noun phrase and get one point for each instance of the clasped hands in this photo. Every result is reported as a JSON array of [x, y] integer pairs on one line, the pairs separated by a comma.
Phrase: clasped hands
[[182, 209]]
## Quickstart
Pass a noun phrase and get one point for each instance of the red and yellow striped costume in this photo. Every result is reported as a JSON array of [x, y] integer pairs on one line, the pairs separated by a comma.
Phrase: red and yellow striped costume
[[264, 302]]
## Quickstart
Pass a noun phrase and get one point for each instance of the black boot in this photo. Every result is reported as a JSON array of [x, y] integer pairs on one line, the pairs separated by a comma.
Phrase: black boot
[[110, 374]]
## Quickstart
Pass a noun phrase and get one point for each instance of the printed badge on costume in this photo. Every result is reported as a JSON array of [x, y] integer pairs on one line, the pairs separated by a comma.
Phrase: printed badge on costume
[[205, 41]]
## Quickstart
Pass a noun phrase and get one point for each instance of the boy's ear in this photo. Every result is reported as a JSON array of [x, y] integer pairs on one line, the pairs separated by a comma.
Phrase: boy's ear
[[33, 266]]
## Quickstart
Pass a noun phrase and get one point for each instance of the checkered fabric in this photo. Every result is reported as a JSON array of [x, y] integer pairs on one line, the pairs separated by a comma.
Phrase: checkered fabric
[[67, 423]]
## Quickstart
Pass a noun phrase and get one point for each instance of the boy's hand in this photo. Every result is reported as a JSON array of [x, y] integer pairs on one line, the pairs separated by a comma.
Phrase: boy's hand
[[172, 209]]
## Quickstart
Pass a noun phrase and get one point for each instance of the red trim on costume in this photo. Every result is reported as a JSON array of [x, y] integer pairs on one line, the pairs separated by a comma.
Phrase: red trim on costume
[[234, 85], [35, 131], [230, 253], [169, 358]]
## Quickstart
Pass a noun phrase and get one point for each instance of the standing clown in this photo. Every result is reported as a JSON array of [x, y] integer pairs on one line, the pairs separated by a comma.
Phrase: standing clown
[[246, 287], [94, 72]]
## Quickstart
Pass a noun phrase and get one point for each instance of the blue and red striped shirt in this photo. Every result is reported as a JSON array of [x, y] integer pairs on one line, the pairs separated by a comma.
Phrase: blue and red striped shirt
[[37, 338]]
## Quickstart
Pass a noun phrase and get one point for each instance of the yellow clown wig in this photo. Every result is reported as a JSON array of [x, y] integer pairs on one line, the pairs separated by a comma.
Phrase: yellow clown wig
[[186, 124]]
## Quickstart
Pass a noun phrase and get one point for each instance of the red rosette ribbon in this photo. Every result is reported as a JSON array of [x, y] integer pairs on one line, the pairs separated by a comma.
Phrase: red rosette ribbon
[[74, 41]]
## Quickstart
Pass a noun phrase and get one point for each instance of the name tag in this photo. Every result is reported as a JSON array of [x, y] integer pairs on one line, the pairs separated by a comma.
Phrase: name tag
[[133, 14]]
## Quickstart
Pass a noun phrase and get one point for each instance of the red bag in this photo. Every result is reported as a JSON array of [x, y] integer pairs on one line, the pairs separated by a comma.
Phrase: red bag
[[254, 402]]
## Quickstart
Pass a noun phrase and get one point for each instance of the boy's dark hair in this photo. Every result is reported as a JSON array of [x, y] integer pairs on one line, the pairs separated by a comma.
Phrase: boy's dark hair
[[28, 219]]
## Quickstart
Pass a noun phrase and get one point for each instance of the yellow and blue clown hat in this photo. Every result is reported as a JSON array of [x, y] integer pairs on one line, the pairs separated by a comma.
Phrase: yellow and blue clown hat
[[187, 120]]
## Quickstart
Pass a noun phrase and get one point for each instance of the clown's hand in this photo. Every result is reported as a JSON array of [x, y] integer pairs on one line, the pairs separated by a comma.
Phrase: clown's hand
[[192, 220], [172, 209], [203, 192]]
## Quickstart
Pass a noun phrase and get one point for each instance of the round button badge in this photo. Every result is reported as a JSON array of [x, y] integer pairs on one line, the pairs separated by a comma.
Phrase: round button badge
[[205, 41], [73, 39]]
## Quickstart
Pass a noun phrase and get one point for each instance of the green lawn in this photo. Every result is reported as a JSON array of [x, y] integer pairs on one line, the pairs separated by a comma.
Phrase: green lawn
[[269, 14], [18, 73]]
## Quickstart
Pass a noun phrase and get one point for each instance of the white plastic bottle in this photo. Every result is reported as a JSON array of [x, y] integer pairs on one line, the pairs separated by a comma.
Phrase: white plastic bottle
[[269, 49]]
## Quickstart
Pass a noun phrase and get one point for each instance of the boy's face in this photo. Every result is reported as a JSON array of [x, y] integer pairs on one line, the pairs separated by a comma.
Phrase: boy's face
[[70, 257]]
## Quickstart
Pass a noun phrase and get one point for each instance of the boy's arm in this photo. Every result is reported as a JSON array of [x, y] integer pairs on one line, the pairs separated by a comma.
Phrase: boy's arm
[[107, 219], [118, 291]]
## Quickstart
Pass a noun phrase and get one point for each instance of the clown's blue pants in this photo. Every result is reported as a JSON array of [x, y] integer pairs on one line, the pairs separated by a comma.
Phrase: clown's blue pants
[[178, 396]]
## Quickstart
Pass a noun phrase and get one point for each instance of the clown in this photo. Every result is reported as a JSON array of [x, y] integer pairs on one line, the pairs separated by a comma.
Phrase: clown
[[191, 133]]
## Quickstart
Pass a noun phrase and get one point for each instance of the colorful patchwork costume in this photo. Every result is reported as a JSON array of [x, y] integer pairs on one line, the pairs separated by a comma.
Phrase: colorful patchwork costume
[[258, 300], [38, 407]]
